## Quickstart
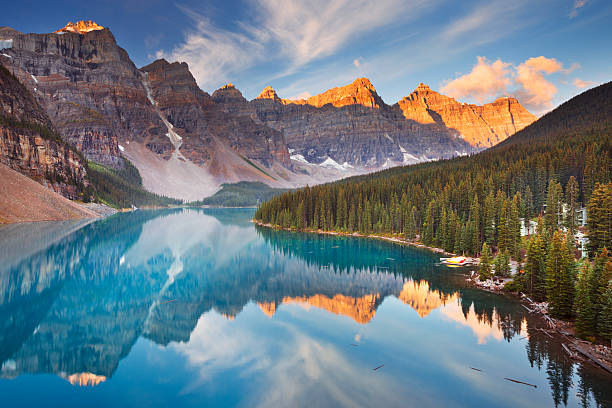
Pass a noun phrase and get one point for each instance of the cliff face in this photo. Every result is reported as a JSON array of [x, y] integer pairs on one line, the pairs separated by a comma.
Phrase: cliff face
[[29, 144], [200, 120], [480, 126], [90, 89], [353, 125]]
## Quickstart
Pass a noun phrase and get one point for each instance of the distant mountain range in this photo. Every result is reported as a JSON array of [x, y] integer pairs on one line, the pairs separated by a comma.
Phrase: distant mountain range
[[185, 143]]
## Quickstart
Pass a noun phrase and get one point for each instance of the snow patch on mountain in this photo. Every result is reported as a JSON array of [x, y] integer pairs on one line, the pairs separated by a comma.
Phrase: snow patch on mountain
[[298, 157], [331, 163]]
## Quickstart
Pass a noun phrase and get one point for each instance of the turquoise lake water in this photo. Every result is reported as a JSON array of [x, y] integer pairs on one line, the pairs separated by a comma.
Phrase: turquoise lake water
[[200, 308]]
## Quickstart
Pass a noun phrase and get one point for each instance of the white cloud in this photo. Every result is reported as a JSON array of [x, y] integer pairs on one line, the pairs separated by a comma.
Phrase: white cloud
[[578, 4], [303, 95], [356, 62], [526, 81], [482, 24], [291, 31], [291, 368], [486, 80], [534, 90], [580, 84]]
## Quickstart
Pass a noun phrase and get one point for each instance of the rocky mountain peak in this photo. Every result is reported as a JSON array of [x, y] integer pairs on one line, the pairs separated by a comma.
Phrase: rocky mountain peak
[[422, 88], [479, 125], [80, 27], [359, 92], [228, 94], [268, 93], [364, 83]]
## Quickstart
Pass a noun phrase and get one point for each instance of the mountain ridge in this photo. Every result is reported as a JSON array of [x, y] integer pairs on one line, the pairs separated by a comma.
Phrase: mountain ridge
[[158, 117]]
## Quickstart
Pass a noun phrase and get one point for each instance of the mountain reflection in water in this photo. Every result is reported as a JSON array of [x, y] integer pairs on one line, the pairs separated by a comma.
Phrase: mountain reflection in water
[[78, 298]]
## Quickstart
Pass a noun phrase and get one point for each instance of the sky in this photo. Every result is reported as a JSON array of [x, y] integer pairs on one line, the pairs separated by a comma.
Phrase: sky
[[542, 52]]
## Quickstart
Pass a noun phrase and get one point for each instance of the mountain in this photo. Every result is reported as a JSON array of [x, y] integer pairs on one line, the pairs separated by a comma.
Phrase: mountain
[[480, 126], [185, 143], [452, 204], [352, 126]]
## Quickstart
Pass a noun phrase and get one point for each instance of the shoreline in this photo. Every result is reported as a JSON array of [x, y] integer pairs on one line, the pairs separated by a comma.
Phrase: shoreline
[[394, 239], [582, 350]]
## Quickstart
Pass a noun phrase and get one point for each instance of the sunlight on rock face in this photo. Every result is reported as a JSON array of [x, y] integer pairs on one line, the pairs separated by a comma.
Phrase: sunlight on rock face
[[80, 27], [482, 329], [85, 379], [418, 296]]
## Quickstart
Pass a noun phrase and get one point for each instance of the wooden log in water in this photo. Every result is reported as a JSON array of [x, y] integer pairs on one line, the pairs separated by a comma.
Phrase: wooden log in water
[[528, 309], [520, 382], [567, 350], [545, 332]]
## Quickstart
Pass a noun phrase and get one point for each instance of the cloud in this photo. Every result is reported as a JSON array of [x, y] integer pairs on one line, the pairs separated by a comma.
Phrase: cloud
[[289, 368], [292, 32], [578, 4], [580, 84], [481, 24], [356, 62], [487, 79], [534, 90], [303, 95], [526, 81]]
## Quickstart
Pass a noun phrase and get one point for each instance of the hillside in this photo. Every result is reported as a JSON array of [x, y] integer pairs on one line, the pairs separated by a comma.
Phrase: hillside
[[242, 194], [591, 110], [453, 203], [24, 200]]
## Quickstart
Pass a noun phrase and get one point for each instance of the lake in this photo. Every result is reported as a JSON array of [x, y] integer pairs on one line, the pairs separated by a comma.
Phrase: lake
[[197, 308]]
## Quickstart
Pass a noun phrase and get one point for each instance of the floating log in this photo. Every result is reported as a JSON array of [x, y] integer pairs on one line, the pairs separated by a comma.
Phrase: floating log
[[168, 301], [545, 332], [528, 309], [567, 350], [476, 369], [520, 382], [380, 366]]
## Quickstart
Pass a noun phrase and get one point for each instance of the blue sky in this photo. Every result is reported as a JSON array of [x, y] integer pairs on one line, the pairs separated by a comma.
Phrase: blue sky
[[542, 52]]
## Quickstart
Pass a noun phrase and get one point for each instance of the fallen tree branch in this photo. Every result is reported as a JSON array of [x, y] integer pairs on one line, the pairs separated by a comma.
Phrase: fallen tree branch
[[520, 382]]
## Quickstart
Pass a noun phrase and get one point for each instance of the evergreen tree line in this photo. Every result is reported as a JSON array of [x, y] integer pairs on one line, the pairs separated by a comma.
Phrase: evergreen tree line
[[461, 203]]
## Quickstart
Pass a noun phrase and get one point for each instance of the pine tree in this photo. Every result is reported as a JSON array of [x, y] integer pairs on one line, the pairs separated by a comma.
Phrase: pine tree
[[599, 219], [489, 220], [584, 307], [605, 315], [601, 273], [535, 268], [572, 190], [502, 264], [502, 227], [553, 208], [559, 277], [428, 225], [474, 226], [514, 228], [484, 270]]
